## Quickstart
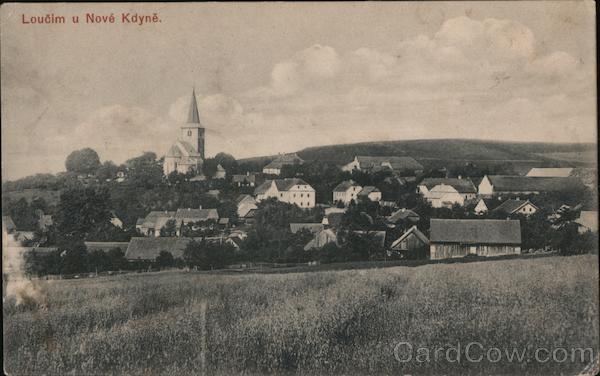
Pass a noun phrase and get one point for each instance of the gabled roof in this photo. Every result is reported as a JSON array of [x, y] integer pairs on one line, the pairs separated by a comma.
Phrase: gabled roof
[[550, 172], [243, 198], [195, 215], [281, 184], [367, 190], [413, 230], [397, 163], [506, 183], [321, 239], [182, 149], [149, 248], [588, 219], [345, 185], [402, 214], [105, 246], [312, 227], [475, 231], [511, 206], [461, 185]]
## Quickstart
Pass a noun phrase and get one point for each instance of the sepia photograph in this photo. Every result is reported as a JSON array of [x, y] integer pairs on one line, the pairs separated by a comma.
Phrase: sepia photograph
[[280, 188]]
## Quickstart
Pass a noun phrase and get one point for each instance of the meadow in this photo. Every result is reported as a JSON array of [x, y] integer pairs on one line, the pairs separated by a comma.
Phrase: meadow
[[331, 322]]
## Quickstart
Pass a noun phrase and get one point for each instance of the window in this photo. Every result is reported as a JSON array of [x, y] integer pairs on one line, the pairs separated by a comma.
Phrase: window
[[308, 195], [281, 195], [301, 195], [301, 204], [189, 133]]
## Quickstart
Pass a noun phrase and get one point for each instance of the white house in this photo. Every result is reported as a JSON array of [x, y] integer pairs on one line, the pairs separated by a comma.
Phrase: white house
[[524, 207], [220, 173], [463, 186], [115, 220], [346, 192], [291, 190], [245, 204], [443, 195]]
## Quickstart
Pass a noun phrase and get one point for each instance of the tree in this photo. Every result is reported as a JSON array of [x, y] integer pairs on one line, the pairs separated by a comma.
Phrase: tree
[[108, 170], [169, 229], [165, 260], [228, 162], [84, 161], [209, 167], [81, 210]]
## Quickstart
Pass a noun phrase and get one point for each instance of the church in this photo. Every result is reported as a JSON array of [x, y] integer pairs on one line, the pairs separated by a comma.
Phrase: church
[[187, 153]]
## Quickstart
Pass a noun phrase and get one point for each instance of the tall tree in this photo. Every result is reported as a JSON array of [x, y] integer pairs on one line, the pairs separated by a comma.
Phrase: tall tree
[[84, 161]]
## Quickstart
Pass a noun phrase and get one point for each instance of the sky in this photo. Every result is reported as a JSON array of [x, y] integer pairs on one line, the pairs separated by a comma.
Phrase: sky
[[280, 77]]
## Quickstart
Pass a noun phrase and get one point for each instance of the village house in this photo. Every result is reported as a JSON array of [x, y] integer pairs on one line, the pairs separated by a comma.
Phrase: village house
[[550, 172], [503, 185], [482, 237], [291, 190], [516, 206], [370, 193], [274, 168], [157, 220], [412, 244], [148, 249], [245, 204], [245, 180], [481, 207], [402, 216], [440, 192], [346, 192], [405, 166], [187, 153], [321, 239]]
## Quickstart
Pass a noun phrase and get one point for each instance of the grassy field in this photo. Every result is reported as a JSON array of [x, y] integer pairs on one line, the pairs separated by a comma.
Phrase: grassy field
[[335, 322]]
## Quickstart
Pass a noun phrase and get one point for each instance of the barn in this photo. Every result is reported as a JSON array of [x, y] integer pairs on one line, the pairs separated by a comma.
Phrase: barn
[[482, 237], [412, 244]]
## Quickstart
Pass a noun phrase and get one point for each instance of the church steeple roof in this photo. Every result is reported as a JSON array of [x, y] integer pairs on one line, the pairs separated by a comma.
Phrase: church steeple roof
[[193, 116]]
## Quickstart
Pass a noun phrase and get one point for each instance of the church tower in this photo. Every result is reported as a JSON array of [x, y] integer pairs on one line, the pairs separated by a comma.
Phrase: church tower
[[192, 131]]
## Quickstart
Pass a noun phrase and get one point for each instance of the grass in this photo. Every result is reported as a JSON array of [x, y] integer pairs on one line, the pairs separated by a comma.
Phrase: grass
[[335, 322]]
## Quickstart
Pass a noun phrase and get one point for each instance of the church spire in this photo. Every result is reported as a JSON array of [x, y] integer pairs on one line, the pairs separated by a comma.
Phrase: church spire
[[193, 117]]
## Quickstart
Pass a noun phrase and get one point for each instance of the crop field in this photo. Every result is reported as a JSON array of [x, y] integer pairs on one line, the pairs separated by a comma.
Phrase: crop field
[[334, 322]]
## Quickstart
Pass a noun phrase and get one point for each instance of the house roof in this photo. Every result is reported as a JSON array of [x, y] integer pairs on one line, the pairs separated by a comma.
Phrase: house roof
[[149, 248], [312, 227], [461, 185], [223, 221], [506, 183], [281, 184], [195, 215], [345, 185], [285, 159], [413, 230], [367, 190], [244, 198], [550, 172], [321, 239], [139, 221], [397, 163], [402, 214], [475, 231], [105, 246], [511, 206]]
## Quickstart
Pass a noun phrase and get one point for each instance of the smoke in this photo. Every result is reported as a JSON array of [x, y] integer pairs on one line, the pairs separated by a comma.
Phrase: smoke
[[15, 283]]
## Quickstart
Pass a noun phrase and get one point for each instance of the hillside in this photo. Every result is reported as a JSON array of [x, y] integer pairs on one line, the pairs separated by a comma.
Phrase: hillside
[[435, 152]]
